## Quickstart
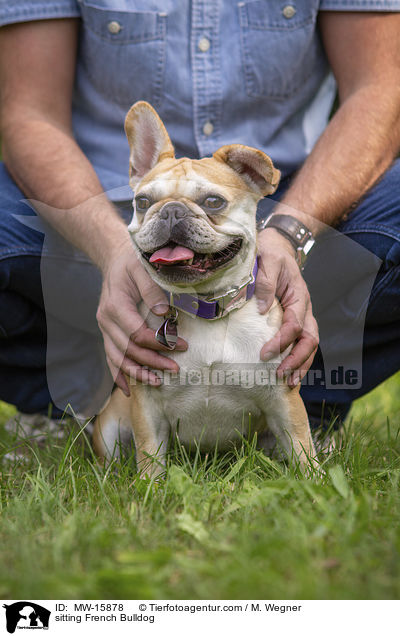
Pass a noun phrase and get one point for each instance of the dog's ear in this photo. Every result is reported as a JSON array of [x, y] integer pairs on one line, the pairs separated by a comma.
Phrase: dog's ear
[[254, 166], [148, 140]]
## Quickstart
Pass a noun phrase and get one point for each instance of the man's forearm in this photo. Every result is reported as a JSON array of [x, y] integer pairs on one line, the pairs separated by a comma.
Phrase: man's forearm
[[359, 144], [49, 167]]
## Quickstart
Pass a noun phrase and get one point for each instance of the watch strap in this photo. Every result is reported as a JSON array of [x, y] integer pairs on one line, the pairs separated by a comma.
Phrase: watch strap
[[297, 233], [294, 230]]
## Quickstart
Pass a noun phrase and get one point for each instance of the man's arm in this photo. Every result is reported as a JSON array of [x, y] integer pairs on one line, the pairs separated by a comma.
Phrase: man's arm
[[363, 137], [358, 145], [37, 69]]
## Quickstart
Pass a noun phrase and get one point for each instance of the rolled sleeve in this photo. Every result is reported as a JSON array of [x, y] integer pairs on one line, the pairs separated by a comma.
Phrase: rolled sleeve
[[360, 5], [28, 10]]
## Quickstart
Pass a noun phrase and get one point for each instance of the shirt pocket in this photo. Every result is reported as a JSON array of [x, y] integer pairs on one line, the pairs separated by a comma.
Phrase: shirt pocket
[[123, 53], [279, 46]]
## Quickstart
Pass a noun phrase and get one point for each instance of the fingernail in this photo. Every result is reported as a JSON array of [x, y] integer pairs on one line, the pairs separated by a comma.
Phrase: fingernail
[[267, 355], [284, 373], [181, 347], [154, 381], [295, 381], [262, 306], [169, 365], [160, 309]]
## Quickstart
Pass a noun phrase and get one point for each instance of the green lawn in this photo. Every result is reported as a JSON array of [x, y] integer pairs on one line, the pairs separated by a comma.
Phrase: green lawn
[[234, 527]]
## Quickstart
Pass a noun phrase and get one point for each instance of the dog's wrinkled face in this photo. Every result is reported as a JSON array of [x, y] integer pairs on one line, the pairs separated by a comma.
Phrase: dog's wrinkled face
[[194, 220], [191, 220]]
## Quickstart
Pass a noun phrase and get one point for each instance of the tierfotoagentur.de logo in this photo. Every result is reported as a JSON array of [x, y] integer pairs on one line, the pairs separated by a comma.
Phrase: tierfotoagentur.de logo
[[26, 615]]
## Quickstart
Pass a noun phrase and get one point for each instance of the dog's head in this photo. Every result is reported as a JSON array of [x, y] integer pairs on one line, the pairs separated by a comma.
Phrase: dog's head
[[194, 220]]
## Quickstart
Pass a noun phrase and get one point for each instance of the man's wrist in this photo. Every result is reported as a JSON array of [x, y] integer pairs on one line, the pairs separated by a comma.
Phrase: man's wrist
[[314, 224], [271, 234], [294, 231], [105, 233], [115, 246]]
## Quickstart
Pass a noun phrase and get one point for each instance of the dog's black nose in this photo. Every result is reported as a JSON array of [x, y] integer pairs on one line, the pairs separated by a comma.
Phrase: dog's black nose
[[174, 210]]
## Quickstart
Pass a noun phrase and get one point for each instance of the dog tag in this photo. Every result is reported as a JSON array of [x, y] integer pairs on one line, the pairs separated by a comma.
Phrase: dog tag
[[167, 334]]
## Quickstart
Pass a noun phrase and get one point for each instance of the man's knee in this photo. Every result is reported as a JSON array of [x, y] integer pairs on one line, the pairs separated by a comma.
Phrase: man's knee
[[375, 222], [15, 236]]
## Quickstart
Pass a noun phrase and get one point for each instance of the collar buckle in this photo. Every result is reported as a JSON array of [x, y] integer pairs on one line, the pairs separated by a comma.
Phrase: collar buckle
[[234, 298], [215, 307]]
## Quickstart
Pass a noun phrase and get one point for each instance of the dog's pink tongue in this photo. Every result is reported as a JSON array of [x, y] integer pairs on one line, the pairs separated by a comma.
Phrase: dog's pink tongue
[[168, 255]]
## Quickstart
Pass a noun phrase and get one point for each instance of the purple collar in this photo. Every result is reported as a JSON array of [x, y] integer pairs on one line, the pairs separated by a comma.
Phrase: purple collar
[[218, 306]]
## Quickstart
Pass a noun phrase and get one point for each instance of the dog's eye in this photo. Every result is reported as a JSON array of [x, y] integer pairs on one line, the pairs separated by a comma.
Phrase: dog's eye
[[214, 203], [142, 203]]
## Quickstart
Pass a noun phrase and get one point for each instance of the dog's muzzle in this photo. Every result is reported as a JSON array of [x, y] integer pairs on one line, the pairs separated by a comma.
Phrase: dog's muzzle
[[173, 222], [174, 212]]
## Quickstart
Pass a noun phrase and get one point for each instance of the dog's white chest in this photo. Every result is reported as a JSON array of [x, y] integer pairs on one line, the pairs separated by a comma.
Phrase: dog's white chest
[[222, 379]]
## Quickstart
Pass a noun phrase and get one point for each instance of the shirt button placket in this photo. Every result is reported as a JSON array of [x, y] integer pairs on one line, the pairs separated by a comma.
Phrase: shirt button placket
[[206, 74], [203, 45], [208, 128]]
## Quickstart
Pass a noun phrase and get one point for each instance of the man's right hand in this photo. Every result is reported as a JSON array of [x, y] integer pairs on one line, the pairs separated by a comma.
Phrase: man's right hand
[[130, 345]]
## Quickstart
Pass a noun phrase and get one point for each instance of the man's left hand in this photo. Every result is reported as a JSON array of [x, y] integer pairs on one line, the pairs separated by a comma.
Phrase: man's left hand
[[279, 276]]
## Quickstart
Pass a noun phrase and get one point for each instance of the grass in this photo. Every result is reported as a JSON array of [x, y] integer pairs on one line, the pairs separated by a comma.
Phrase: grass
[[239, 526]]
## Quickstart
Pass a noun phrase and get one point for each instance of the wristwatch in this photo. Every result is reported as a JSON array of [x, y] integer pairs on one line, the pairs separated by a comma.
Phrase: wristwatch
[[296, 232]]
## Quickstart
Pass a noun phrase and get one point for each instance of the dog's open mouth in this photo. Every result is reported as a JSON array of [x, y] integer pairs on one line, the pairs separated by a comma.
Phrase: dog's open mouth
[[183, 258]]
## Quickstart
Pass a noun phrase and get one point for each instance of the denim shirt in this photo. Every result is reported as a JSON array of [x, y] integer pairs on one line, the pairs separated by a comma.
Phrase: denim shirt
[[217, 71]]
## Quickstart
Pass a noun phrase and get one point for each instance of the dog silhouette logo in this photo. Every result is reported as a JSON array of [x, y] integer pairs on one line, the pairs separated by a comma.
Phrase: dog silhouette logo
[[26, 615]]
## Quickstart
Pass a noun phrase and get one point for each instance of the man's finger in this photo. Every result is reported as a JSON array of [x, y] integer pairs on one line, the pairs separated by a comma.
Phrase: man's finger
[[130, 324], [296, 377], [151, 358], [145, 339], [303, 351], [265, 287], [142, 354], [135, 373], [122, 311], [152, 295], [118, 377], [120, 380], [304, 348], [291, 328], [123, 368], [144, 376]]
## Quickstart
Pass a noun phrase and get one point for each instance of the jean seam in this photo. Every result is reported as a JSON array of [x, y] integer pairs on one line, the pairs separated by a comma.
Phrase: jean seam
[[371, 229], [384, 282], [4, 254]]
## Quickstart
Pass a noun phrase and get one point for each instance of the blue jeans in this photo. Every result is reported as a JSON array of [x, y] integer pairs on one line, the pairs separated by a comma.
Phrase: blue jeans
[[366, 311]]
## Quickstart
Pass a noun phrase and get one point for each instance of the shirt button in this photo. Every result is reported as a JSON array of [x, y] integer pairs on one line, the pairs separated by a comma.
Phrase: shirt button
[[204, 44], [208, 128], [114, 27], [289, 11]]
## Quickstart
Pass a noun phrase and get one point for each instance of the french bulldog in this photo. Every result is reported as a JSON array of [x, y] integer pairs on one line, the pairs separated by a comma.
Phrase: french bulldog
[[194, 230]]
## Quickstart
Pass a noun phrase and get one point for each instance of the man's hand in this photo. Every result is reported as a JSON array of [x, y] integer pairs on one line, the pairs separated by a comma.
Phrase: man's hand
[[130, 345], [279, 276]]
